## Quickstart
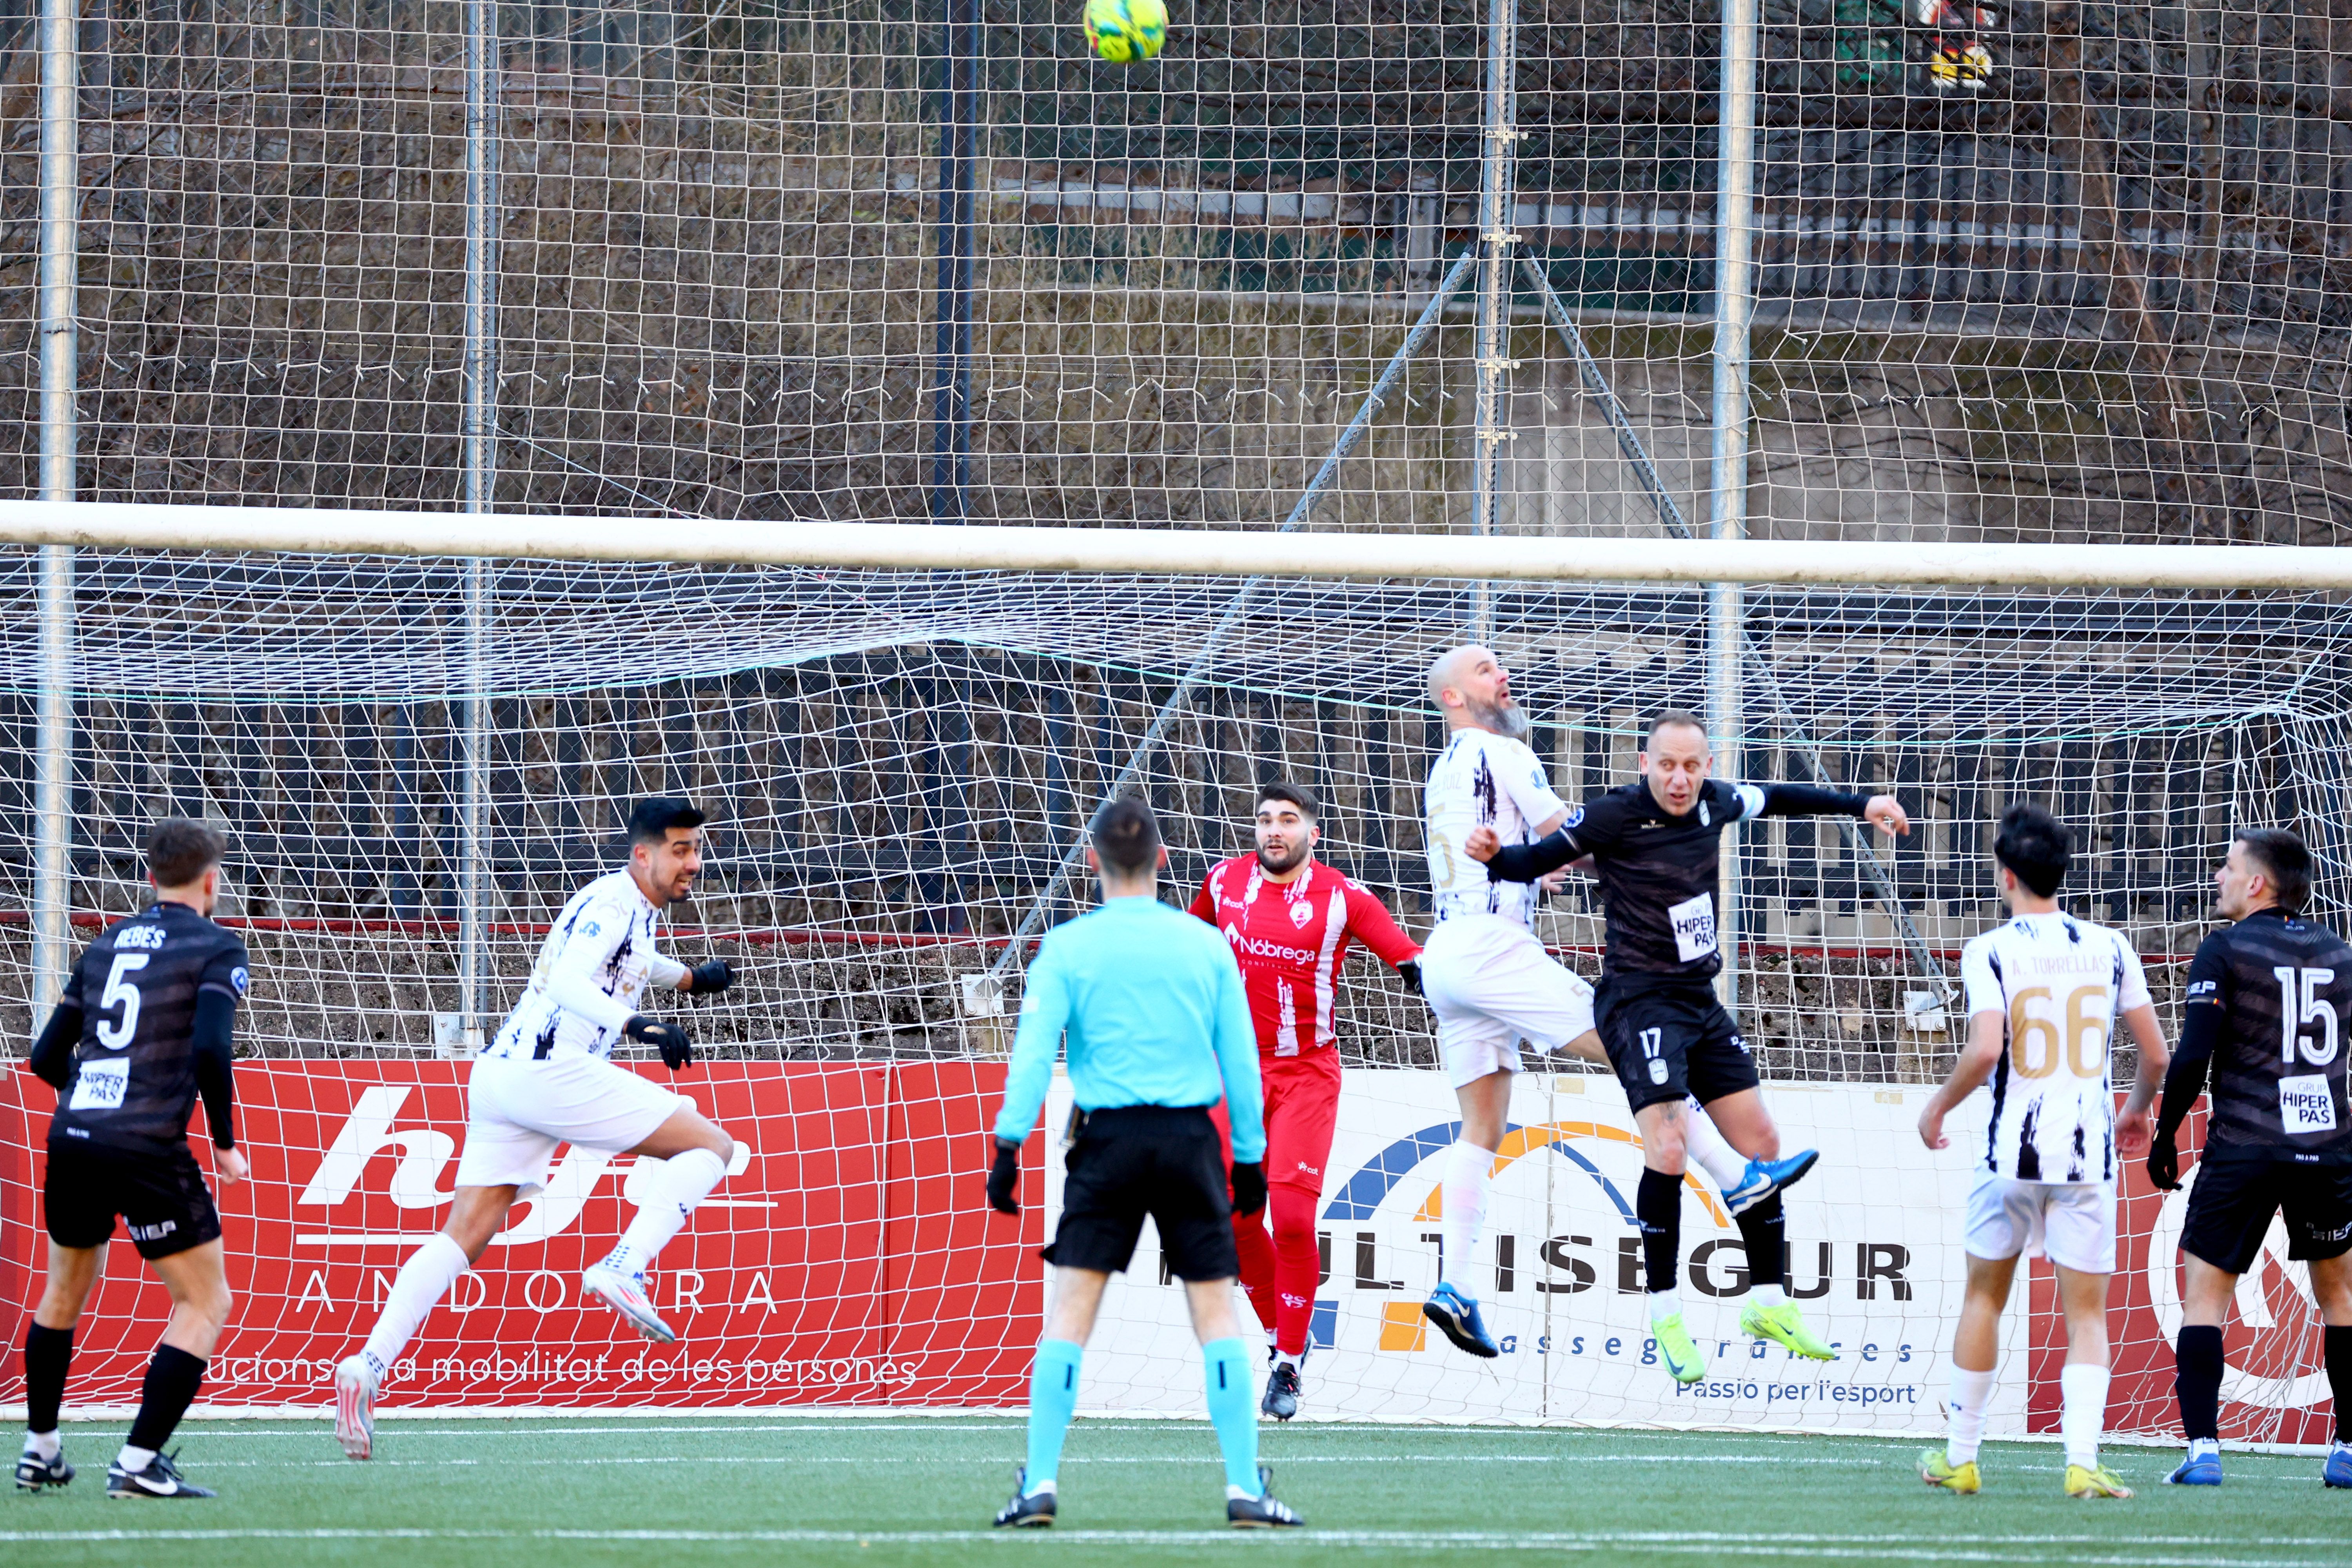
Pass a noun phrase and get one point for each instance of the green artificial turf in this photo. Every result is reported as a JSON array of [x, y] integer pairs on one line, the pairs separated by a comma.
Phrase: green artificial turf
[[593, 1490]]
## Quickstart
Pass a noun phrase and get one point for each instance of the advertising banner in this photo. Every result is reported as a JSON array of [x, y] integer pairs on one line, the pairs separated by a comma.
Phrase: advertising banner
[[849, 1259]]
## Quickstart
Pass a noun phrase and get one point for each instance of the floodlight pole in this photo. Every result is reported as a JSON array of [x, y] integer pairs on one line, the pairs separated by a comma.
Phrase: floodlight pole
[[484, 136], [59, 282], [1728, 514], [1497, 193]]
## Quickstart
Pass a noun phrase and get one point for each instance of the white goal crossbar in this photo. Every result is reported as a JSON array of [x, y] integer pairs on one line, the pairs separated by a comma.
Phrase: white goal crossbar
[[1240, 553]]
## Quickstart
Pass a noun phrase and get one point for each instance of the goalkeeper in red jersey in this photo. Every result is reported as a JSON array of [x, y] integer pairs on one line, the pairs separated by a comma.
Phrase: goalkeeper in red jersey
[[1289, 918]]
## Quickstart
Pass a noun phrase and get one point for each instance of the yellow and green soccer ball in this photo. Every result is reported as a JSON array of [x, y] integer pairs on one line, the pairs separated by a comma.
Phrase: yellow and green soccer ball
[[1125, 31]]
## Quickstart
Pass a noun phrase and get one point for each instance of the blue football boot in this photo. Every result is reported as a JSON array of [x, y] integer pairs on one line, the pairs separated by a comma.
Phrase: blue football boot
[[1457, 1317]]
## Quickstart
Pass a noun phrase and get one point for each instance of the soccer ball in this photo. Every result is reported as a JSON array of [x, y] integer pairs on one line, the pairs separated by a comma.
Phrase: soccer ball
[[1125, 31]]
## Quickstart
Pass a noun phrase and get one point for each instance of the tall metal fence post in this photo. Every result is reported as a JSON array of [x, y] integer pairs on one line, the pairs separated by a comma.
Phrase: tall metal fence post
[[484, 132], [1734, 304], [1497, 204], [959, 165], [59, 279]]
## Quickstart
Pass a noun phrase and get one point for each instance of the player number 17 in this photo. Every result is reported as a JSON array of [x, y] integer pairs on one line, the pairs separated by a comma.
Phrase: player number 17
[[2301, 1005]]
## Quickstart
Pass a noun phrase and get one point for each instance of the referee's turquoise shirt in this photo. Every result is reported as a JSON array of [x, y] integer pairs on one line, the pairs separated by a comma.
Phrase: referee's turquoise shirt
[[1151, 1003]]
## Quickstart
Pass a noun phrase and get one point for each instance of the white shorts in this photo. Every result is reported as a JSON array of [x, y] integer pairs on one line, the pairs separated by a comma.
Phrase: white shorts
[[1492, 985], [517, 1111], [2073, 1221]]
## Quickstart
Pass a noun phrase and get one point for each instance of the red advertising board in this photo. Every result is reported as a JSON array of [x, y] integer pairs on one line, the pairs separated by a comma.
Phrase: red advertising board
[[849, 1257], [2275, 1389]]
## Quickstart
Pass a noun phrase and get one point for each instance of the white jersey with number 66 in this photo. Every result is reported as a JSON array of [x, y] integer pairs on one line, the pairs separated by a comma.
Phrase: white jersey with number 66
[[1483, 779], [2061, 985]]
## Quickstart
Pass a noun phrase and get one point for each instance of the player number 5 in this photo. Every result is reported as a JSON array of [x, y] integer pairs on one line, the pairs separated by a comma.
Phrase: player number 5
[[2301, 1005], [119, 993]]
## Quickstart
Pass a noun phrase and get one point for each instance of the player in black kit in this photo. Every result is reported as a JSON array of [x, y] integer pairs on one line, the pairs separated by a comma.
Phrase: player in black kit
[[1654, 846], [2269, 1012], [142, 1030]]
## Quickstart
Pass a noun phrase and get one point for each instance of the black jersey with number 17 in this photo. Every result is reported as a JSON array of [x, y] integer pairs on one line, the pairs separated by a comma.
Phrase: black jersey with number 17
[[2285, 988], [134, 1068]]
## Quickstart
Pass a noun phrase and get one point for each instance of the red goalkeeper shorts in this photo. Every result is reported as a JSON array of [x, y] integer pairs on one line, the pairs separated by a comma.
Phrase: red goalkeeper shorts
[[1302, 1109]]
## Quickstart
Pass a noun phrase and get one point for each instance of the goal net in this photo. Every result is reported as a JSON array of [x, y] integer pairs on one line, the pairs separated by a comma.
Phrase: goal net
[[896, 767]]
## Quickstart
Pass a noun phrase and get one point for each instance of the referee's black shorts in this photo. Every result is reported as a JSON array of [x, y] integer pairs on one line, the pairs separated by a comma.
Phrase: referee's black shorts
[[1138, 1160], [161, 1198], [1668, 1036], [2235, 1194]]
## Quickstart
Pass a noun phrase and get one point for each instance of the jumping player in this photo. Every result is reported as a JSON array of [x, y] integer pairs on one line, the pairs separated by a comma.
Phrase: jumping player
[[2045, 992], [1656, 847], [547, 1078], [2269, 1015], [1492, 985], [1289, 918], [140, 1033]]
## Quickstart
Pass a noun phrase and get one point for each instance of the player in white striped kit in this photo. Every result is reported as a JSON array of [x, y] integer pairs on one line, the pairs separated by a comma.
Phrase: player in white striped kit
[[1490, 982], [547, 1078], [2045, 992]]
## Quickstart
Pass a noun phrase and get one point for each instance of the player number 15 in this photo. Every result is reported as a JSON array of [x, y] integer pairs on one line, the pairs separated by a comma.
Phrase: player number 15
[[2301, 1005]]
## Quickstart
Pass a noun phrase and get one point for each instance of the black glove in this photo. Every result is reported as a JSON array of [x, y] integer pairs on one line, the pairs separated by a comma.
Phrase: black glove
[[670, 1039], [1411, 971], [2164, 1162], [1004, 1179], [1249, 1187], [712, 978]]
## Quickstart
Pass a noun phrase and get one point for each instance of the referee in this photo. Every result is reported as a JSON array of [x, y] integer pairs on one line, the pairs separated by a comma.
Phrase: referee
[[1158, 1031], [2268, 1015], [142, 1030]]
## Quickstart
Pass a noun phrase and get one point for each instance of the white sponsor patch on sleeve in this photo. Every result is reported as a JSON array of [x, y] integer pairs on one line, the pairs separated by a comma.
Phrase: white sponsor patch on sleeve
[[1693, 924], [2306, 1104]]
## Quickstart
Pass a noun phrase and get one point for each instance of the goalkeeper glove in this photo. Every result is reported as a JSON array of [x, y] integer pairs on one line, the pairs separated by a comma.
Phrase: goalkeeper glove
[[2164, 1162], [712, 978], [1411, 971], [1004, 1178], [670, 1039], [1249, 1187]]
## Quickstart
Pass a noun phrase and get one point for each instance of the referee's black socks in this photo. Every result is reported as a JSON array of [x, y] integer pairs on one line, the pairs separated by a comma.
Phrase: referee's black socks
[[2197, 1379], [2337, 1345], [171, 1386], [47, 1353]]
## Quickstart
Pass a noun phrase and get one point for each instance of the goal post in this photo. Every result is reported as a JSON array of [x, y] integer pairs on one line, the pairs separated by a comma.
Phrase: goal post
[[908, 546], [897, 752]]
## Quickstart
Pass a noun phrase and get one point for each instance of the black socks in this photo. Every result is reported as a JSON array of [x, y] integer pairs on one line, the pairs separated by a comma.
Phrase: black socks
[[171, 1380], [1765, 1231], [2337, 1348], [2197, 1379], [1658, 1204], [47, 1353]]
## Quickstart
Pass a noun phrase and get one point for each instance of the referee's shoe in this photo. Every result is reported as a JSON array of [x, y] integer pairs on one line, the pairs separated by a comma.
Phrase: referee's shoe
[[1263, 1511]]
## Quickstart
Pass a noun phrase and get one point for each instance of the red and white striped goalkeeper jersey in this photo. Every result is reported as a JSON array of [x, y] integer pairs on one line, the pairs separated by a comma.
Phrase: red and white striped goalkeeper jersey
[[1289, 937]]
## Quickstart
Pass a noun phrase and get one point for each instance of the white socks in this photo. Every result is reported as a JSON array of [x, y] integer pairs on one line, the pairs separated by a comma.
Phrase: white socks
[[1665, 1304], [1710, 1153], [677, 1185], [423, 1280], [133, 1459], [2084, 1388], [1467, 1169], [44, 1445], [1964, 1414], [1769, 1297]]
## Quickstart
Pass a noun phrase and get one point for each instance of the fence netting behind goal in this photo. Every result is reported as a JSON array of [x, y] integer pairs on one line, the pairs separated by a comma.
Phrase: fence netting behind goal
[[897, 766]]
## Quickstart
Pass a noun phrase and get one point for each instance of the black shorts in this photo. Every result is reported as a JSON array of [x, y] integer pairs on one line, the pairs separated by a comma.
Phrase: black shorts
[[161, 1198], [1154, 1159], [2230, 1209], [1669, 1038]]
